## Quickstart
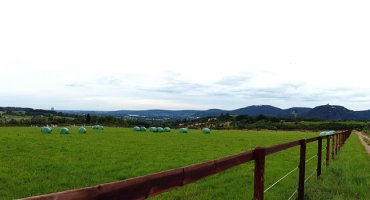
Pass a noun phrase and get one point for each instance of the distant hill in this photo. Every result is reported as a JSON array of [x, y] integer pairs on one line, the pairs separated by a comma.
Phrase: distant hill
[[324, 112], [258, 110], [331, 112], [27, 111], [295, 112], [364, 115]]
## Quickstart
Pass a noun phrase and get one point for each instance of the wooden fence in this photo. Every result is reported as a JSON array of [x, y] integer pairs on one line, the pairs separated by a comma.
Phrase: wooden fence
[[153, 184]]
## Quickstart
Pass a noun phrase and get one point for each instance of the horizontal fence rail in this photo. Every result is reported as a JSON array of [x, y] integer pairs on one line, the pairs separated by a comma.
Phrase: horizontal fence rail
[[145, 186]]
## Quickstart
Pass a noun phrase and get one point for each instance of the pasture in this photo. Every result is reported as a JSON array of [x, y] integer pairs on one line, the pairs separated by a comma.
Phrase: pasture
[[32, 163]]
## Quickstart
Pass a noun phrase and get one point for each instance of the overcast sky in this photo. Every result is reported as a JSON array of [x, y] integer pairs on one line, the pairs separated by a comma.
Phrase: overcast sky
[[116, 54]]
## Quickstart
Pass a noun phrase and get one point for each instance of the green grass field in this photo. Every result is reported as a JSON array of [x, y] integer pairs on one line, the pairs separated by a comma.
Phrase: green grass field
[[32, 163]]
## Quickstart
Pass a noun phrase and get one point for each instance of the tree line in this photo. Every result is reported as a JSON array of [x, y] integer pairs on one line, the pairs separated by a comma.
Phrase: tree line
[[224, 121]]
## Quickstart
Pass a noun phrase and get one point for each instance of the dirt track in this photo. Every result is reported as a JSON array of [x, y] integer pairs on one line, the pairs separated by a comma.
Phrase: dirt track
[[361, 136]]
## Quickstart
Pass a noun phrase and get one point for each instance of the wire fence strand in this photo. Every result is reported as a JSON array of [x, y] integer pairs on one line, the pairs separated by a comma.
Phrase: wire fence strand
[[310, 176], [308, 160], [291, 196], [287, 174], [271, 186]]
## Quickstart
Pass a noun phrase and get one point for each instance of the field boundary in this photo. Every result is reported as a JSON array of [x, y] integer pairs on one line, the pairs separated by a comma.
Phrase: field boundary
[[150, 185], [365, 141]]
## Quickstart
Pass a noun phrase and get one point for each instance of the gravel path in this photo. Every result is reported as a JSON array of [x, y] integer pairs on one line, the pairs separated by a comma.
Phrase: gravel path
[[361, 136]]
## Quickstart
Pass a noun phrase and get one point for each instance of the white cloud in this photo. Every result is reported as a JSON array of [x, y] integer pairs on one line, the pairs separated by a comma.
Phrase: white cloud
[[125, 48]]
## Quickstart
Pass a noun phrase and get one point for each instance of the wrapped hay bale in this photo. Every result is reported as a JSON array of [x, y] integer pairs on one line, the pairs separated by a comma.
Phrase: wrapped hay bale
[[323, 133], [160, 129], [82, 130], [206, 131], [64, 131], [46, 130], [167, 129], [136, 129], [98, 127], [143, 129], [331, 132], [183, 130], [153, 129]]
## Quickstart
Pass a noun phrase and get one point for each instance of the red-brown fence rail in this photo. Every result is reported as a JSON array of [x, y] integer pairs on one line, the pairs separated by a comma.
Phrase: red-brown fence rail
[[153, 184]]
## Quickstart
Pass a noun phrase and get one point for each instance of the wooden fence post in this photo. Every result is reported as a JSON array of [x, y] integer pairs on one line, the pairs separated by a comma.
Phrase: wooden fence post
[[336, 143], [332, 147], [327, 150], [319, 156], [259, 172], [302, 169]]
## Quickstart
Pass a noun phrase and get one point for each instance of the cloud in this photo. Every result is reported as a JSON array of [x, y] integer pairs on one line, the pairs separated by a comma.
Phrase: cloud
[[110, 80], [76, 85], [235, 80], [126, 103], [177, 87]]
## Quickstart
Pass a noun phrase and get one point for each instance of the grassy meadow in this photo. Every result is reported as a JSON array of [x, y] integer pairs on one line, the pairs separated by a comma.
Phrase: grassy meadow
[[32, 163]]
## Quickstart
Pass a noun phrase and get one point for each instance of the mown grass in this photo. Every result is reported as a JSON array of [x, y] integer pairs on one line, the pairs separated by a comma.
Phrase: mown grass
[[348, 176], [32, 163]]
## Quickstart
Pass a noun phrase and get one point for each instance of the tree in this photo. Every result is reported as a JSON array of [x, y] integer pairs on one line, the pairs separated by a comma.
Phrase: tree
[[88, 118]]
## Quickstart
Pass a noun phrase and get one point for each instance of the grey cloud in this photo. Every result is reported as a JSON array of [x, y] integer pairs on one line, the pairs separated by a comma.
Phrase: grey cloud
[[234, 87]]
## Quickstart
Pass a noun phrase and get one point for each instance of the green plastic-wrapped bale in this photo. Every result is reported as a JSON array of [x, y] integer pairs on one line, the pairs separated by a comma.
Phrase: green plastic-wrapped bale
[[206, 130], [46, 130], [323, 133], [98, 127], [167, 129], [183, 130], [153, 129], [143, 129], [64, 131], [331, 132], [82, 130], [136, 128], [160, 129]]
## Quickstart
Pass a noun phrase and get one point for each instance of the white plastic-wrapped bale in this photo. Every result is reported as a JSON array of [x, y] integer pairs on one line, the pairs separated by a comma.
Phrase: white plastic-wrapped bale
[[160, 129], [143, 129], [167, 129]]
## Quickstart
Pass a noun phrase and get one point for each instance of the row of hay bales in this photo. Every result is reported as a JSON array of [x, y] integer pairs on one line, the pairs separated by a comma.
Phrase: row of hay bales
[[325, 133], [152, 129], [166, 129], [98, 127], [64, 130]]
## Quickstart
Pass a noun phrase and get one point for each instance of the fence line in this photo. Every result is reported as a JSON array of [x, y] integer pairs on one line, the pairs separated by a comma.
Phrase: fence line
[[308, 160], [291, 196], [153, 184], [287, 174], [308, 178]]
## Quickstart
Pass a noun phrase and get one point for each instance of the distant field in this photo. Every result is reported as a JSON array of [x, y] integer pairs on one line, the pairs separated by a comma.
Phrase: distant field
[[32, 163]]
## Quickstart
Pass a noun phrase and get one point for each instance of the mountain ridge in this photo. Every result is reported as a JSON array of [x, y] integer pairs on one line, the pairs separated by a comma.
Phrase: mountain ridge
[[323, 112]]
